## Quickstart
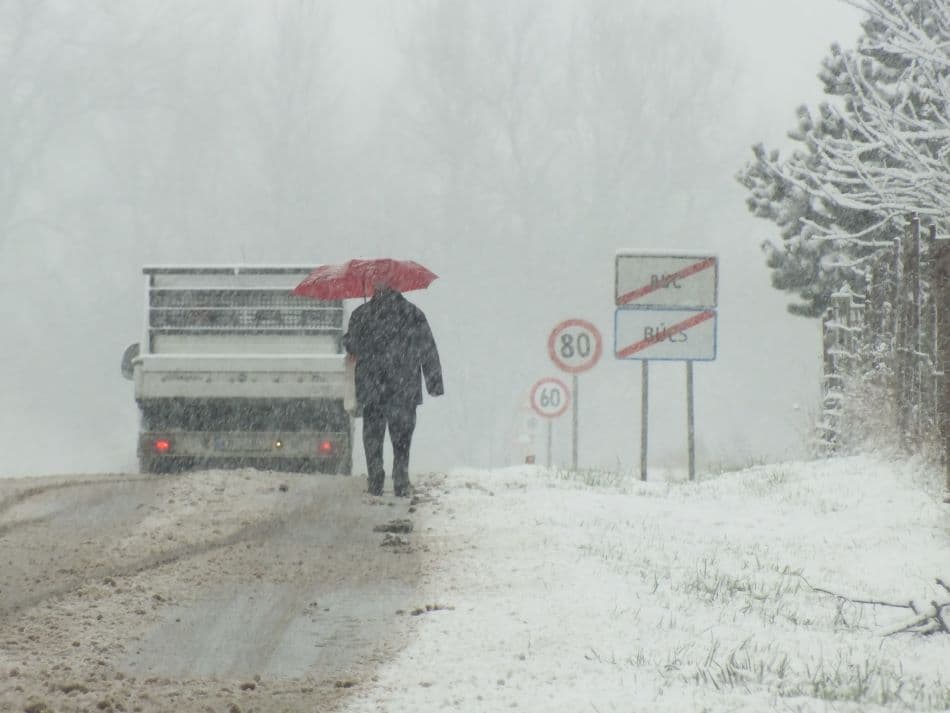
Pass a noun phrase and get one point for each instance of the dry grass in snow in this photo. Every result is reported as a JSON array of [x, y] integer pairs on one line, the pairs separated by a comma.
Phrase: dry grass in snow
[[592, 592]]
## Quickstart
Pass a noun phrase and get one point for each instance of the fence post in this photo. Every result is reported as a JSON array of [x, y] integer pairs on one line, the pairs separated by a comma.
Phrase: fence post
[[897, 345], [916, 345], [908, 337], [893, 271], [881, 336], [930, 316], [829, 424], [839, 326], [876, 298], [940, 284]]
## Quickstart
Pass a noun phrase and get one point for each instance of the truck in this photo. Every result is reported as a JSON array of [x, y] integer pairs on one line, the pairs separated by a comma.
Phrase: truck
[[232, 370]]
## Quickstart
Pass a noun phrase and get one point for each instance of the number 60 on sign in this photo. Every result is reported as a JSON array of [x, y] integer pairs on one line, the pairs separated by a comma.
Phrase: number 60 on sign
[[550, 397]]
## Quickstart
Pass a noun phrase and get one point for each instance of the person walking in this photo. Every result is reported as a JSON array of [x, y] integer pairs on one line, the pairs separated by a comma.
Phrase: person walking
[[394, 350]]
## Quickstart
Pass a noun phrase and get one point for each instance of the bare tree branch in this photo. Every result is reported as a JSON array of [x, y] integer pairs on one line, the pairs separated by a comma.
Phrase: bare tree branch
[[927, 620]]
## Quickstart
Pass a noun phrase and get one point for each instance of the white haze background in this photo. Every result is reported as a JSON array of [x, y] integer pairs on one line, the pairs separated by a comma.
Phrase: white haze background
[[239, 132]]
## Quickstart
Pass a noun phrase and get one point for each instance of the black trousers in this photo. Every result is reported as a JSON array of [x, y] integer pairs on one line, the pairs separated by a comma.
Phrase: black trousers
[[401, 420]]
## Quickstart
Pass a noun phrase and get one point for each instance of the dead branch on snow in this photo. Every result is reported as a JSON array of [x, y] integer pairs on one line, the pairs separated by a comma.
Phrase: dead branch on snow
[[933, 618]]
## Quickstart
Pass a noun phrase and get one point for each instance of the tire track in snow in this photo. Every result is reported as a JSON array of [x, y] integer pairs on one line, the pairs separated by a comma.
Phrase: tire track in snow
[[22, 496], [253, 531]]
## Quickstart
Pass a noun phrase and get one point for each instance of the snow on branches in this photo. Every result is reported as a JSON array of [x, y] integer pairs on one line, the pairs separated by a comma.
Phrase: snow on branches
[[878, 150]]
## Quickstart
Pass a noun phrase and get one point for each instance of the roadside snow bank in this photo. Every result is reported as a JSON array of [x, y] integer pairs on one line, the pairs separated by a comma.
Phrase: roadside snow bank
[[586, 592]]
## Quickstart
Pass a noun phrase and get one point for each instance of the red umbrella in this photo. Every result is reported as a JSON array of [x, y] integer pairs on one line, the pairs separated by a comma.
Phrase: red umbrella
[[356, 278]]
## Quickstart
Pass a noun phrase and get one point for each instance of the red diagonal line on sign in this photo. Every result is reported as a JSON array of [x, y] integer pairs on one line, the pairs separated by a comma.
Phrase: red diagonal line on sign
[[647, 289], [663, 334]]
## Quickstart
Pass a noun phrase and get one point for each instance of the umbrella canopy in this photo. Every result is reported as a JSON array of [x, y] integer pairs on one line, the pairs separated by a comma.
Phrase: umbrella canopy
[[357, 278]]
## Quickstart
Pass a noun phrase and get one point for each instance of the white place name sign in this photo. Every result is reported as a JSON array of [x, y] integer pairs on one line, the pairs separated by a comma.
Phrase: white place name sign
[[666, 280]]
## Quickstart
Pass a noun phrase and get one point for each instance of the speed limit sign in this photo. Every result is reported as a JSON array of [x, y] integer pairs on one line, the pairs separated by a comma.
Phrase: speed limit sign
[[575, 345], [550, 397]]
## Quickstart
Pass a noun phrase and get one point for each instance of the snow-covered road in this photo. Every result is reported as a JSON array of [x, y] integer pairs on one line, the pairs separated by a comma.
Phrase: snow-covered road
[[264, 591], [518, 589]]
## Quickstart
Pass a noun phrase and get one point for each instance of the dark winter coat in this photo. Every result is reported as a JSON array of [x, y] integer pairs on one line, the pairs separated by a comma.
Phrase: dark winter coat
[[394, 349]]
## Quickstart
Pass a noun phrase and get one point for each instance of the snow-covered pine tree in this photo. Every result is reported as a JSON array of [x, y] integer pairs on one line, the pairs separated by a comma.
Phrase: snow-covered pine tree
[[876, 151]]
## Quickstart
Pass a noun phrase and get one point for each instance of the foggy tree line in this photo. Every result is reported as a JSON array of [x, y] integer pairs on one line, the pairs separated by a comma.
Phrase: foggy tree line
[[162, 121], [171, 122], [536, 119]]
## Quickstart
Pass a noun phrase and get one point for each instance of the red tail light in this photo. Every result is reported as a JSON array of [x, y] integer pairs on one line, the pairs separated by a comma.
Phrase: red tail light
[[162, 445], [325, 448]]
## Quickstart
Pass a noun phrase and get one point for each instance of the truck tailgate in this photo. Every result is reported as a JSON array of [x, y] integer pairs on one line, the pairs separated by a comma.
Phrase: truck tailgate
[[239, 376]]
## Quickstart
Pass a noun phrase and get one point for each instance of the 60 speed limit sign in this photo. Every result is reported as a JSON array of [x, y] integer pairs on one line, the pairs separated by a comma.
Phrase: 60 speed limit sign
[[550, 397], [575, 345]]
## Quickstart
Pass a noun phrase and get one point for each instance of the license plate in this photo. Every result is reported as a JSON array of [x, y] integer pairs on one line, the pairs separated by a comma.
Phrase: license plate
[[241, 443]]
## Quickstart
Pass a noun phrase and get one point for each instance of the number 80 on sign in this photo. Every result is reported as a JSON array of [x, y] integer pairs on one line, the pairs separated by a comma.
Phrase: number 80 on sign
[[550, 397], [575, 345]]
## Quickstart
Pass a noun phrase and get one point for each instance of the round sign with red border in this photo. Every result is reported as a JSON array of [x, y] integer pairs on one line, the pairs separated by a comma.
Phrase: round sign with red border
[[575, 345], [550, 397]]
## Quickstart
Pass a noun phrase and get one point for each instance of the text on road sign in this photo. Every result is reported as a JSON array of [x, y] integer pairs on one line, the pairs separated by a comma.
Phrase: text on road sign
[[666, 281], [665, 334]]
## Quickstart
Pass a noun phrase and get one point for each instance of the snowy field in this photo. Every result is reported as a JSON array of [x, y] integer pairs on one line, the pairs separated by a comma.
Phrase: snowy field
[[553, 591]]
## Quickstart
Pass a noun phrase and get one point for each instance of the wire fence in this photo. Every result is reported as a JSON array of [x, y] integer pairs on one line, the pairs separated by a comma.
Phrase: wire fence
[[887, 351]]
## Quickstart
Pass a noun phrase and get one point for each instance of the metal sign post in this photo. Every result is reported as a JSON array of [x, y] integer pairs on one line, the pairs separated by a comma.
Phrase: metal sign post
[[550, 428], [574, 346], [644, 413], [690, 429], [666, 310], [574, 428]]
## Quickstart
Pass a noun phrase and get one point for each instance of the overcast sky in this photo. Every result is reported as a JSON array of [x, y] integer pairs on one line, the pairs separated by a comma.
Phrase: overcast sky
[[72, 284]]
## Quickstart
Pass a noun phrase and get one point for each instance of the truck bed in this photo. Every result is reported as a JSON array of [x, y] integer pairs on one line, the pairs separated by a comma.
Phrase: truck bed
[[197, 376]]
